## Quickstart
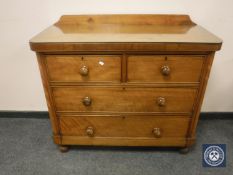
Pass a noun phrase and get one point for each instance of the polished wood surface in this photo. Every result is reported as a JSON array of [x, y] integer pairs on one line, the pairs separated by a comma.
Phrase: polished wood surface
[[115, 99], [149, 68], [124, 126], [125, 80], [60, 47], [104, 32], [185, 29], [124, 19], [49, 98], [200, 96], [122, 141], [101, 68]]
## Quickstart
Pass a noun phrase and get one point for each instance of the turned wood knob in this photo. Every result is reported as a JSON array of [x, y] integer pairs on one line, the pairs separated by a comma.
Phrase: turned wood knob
[[157, 132], [90, 131], [165, 70], [161, 101], [87, 101], [84, 70]]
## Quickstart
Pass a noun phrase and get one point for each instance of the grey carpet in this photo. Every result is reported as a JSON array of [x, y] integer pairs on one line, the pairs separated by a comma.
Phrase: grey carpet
[[26, 148]]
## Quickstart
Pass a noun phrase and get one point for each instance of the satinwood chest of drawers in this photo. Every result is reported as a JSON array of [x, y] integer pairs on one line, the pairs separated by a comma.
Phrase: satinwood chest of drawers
[[125, 80]]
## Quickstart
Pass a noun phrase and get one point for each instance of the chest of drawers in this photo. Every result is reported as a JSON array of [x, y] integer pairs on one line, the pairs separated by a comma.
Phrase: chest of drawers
[[125, 80]]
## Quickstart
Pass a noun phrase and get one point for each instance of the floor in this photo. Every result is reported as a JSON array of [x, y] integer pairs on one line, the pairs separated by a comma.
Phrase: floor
[[26, 148]]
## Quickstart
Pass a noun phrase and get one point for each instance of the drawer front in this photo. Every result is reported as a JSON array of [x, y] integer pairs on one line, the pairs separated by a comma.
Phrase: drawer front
[[117, 99], [75, 68], [164, 69], [127, 126]]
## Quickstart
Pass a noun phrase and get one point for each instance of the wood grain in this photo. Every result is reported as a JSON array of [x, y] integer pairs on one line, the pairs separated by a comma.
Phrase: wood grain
[[125, 32], [144, 46], [183, 68], [200, 95], [124, 126], [125, 19], [113, 99], [128, 101], [49, 99], [102, 68], [119, 141]]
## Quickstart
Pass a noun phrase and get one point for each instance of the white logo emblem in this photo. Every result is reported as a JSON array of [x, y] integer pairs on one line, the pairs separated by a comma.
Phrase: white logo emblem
[[214, 155]]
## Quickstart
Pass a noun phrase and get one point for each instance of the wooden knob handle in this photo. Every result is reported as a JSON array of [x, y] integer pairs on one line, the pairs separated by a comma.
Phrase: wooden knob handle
[[165, 70], [157, 132], [90, 131], [84, 70], [161, 101], [87, 101]]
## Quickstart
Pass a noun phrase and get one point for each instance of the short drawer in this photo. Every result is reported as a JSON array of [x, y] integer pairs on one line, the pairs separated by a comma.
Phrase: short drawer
[[121, 99], [124, 126], [78, 68], [165, 69]]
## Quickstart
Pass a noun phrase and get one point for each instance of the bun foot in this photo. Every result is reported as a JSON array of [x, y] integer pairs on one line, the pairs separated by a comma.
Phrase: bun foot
[[63, 148], [184, 150]]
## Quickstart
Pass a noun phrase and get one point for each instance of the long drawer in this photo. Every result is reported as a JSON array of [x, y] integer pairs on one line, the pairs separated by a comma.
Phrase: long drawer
[[165, 69], [124, 126], [86, 68], [123, 99]]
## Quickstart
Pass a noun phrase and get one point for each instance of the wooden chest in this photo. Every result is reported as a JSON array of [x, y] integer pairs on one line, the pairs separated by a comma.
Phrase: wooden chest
[[125, 80]]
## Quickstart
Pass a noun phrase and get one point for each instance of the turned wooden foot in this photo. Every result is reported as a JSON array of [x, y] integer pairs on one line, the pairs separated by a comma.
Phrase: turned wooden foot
[[184, 150], [63, 148]]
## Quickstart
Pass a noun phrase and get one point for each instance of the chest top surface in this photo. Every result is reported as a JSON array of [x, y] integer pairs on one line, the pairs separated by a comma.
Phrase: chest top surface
[[125, 29]]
